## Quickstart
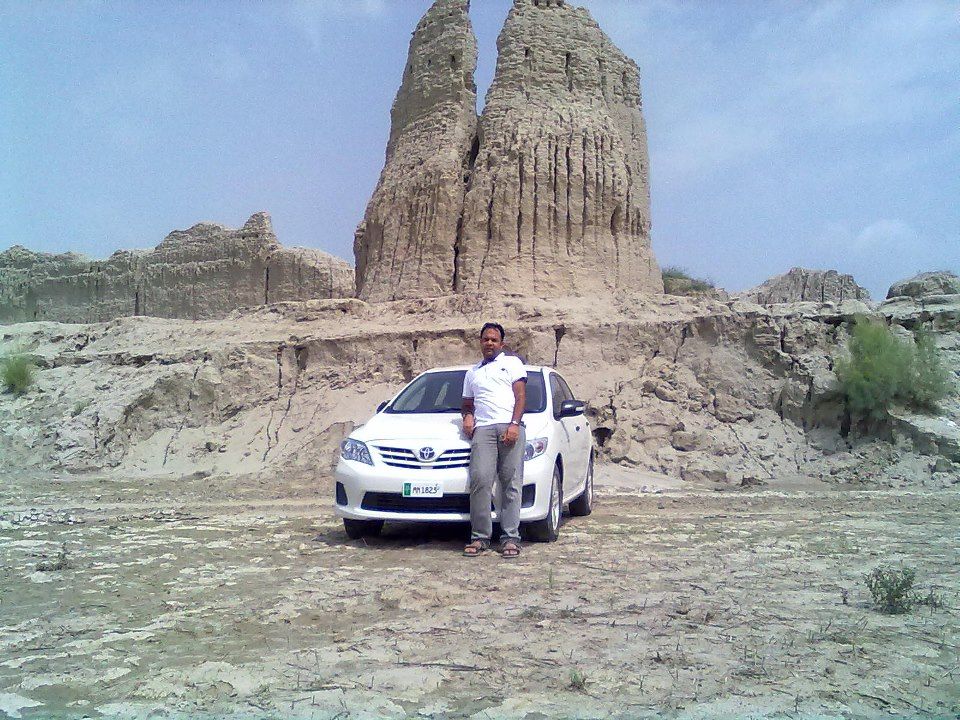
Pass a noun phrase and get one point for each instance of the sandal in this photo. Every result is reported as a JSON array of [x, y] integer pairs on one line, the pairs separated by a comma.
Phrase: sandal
[[475, 548], [510, 549]]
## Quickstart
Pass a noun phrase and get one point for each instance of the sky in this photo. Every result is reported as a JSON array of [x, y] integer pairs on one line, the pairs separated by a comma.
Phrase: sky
[[822, 134]]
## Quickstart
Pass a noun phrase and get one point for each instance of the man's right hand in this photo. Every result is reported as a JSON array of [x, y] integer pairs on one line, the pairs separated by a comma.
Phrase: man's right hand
[[468, 426]]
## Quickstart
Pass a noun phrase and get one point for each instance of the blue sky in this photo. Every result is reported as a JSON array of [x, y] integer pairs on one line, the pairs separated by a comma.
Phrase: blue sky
[[824, 134]]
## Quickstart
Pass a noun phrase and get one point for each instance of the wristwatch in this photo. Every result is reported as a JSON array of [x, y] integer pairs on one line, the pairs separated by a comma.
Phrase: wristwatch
[[515, 422]]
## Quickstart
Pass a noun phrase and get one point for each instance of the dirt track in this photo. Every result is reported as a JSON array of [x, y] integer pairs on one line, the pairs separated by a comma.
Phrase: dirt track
[[245, 599]]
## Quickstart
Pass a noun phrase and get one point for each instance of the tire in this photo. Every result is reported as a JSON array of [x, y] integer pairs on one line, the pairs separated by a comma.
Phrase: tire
[[583, 504], [357, 529], [548, 529]]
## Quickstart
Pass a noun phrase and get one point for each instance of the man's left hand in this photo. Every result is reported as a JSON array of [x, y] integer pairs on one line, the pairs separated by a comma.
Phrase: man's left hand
[[510, 435]]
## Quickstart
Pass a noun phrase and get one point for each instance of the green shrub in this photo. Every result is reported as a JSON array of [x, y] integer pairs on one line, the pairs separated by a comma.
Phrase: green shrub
[[891, 589], [16, 372], [578, 680], [677, 281], [882, 371], [931, 378]]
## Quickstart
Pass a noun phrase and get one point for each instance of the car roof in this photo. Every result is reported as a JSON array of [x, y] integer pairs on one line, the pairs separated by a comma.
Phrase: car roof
[[535, 368]]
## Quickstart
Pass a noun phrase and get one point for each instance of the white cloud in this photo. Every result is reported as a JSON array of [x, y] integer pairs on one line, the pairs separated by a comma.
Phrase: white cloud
[[886, 234], [881, 64], [312, 17], [876, 254], [879, 239], [775, 74], [711, 142]]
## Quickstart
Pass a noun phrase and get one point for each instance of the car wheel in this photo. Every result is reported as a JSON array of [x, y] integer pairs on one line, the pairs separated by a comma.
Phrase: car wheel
[[583, 504], [548, 529], [357, 529]]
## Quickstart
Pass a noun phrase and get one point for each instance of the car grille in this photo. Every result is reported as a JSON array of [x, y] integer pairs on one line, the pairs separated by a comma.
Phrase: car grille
[[452, 503], [395, 502], [406, 458]]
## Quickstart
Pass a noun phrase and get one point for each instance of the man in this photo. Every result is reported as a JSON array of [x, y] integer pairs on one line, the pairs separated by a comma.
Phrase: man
[[494, 398]]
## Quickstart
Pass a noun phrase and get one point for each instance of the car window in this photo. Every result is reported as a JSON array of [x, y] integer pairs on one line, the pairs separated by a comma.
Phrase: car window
[[557, 392], [437, 392], [440, 392], [536, 400], [567, 392]]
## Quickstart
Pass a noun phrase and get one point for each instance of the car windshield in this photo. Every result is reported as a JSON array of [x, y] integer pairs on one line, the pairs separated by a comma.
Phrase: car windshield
[[440, 392]]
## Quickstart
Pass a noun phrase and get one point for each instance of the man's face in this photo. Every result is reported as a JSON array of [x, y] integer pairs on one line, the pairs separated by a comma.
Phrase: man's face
[[490, 343]]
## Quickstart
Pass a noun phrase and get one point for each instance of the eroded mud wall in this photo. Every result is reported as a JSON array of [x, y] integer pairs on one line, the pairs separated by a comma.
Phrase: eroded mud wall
[[205, 272]]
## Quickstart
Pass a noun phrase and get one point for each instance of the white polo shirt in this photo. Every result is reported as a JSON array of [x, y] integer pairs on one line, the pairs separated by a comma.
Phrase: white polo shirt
[[490, 384]]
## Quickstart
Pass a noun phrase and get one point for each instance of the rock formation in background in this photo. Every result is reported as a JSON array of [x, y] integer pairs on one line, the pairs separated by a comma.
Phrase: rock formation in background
[[548, 196], [405, 245], [802, 285], [205, 272], [559, 198], [942, 282]]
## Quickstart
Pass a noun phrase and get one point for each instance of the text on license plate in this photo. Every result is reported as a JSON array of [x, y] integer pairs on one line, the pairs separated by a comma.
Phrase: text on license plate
[[422, 489]]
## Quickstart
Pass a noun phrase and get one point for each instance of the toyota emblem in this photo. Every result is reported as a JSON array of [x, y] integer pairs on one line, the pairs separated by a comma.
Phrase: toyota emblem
[[427, 454]]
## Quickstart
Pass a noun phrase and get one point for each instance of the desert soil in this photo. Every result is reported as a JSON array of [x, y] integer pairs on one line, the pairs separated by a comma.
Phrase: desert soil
[[201, 598]]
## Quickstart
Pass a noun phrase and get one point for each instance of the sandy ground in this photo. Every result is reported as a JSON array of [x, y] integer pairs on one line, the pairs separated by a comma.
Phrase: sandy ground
[[201, 598]]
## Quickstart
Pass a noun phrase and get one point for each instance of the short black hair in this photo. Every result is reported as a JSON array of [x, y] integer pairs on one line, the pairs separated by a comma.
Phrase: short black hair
[[496, 326]]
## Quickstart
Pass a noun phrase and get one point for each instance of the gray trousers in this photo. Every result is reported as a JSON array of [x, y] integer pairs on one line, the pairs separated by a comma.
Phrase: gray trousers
[[490, 460]]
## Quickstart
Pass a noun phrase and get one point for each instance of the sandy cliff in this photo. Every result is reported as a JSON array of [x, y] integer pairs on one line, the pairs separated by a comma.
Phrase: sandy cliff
[[205, 272], [733, 393]]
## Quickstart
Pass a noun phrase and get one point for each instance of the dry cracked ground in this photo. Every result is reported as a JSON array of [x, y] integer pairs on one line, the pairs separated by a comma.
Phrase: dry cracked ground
[[189, 598]]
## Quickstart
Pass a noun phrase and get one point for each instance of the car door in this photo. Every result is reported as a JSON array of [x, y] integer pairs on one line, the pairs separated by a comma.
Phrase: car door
[[579, 439], [565, 430]]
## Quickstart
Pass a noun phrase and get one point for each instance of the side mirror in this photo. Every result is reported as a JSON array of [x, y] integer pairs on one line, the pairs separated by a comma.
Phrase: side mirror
[[572, 408], [381, 406]]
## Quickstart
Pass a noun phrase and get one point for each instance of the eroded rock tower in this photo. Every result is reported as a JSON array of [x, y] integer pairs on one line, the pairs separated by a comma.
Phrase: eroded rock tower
[[404, 246], [547, 194]]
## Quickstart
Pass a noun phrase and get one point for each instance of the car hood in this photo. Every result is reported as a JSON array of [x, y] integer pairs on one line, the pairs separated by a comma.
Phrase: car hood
[[427, 426], [447, 427]]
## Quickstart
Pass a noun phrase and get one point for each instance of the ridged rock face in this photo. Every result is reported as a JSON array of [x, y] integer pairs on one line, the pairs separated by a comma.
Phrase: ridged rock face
[[205, 272], [942, 282], [802, 285], [559, 200], [404, 246], [549, 196]]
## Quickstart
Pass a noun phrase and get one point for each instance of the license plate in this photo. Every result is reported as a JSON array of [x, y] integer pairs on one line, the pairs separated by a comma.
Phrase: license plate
[[422, 489]]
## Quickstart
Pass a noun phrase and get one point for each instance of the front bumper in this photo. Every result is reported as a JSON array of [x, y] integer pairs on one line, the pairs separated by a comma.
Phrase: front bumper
[[374, 492]]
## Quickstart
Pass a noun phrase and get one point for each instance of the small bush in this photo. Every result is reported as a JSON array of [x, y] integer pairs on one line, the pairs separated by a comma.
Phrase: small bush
[[931, 378], [891, 589], [61, 563], [882, 371], [677, 281], [578, 681], [16, 372]]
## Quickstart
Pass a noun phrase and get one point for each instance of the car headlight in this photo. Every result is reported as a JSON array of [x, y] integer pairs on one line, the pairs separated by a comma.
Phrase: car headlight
[[351, 449], [535, 448]]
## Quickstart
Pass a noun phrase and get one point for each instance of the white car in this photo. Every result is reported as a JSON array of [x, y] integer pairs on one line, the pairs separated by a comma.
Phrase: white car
[[410, 461]]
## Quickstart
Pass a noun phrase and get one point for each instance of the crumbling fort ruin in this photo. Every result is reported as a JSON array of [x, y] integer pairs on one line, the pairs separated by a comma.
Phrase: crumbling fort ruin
[[205, 272], [546, 193]]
